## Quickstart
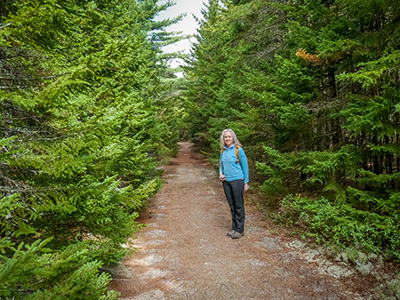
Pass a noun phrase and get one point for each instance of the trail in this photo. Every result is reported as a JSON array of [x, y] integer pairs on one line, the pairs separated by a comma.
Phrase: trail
[[183, 253]]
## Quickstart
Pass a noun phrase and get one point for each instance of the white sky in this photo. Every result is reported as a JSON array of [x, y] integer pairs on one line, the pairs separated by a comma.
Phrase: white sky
[[188, 25]]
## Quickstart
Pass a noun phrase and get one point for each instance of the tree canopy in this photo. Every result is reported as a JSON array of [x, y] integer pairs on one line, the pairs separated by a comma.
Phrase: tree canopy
[[82, 132], [312, 89]]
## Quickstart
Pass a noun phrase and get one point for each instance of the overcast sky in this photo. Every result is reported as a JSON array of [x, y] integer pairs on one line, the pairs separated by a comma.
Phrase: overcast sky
[[188, 25]]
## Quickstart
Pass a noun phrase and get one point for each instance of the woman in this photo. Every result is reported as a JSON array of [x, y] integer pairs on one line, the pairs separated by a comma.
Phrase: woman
[[234, 174]]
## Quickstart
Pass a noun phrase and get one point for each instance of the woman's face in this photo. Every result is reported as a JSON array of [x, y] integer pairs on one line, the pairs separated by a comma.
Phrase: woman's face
[[228, 139]]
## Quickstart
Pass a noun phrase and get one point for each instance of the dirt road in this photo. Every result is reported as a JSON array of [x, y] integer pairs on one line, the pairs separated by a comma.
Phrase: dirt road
[[184, 253]]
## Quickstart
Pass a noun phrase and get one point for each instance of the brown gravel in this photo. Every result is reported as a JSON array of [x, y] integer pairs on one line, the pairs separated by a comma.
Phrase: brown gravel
[[183, 253]]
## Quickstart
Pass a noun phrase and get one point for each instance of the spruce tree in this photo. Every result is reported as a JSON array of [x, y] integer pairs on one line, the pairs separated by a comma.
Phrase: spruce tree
[[311, 86], [79, 141]]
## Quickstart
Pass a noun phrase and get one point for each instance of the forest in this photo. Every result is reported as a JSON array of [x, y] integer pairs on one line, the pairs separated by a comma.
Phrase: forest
[[311, 87], [90, 112]]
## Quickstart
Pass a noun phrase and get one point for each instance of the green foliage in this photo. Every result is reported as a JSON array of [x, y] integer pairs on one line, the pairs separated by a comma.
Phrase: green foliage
[[312, 89], [34, 272], [79, 139], [345, 225]]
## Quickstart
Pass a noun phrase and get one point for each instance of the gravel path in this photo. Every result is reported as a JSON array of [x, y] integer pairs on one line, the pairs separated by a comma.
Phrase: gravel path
[[183, 253]]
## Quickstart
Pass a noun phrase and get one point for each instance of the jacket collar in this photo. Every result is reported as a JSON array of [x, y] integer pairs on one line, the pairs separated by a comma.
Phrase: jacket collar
[[233, 146]]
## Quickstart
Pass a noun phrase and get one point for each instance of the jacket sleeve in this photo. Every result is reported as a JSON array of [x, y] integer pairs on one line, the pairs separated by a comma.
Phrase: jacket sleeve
[[245, 166], [220, 162]]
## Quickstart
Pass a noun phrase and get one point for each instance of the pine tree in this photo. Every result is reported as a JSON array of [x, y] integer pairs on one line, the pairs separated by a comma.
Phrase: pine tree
[[79, 136], [316, 83]]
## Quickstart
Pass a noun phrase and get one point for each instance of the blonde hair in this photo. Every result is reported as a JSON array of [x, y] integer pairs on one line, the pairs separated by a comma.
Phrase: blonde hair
[[235, 139]]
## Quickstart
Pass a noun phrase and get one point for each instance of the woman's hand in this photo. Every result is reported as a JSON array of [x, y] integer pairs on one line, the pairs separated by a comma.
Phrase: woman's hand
[[222, 177], [246, 187]]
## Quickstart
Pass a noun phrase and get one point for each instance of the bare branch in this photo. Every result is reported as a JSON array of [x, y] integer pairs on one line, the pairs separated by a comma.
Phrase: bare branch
[[5, 25]]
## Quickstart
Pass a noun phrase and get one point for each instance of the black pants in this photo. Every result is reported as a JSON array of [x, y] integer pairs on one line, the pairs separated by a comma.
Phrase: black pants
[[234, 194]]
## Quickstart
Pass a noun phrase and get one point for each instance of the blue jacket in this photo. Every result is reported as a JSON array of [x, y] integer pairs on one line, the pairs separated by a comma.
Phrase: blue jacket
[[230, 166]]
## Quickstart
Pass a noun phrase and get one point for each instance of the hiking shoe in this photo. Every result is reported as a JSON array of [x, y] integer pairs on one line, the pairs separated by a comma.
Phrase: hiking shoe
[[230, 233], [237, 235]]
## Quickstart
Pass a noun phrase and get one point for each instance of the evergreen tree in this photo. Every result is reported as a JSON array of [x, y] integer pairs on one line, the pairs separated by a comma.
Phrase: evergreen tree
[[79, 140], [316, 83]]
